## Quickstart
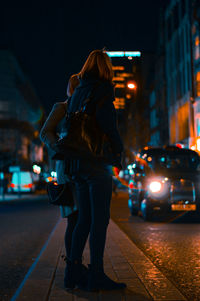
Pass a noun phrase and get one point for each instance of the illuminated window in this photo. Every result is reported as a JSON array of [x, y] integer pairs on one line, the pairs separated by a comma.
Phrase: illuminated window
[[198, 84], [121, 68], [119, 103], [197, 48]]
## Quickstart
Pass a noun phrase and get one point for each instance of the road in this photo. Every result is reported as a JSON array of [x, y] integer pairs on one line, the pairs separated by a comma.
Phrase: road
[[173, 245], [24, 228]]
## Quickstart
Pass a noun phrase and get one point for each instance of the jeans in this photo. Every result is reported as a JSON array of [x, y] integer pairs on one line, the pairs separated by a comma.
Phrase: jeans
[[94, 191], [71, 223]]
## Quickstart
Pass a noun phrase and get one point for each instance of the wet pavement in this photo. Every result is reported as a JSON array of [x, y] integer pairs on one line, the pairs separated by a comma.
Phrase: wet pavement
[[171, 243]]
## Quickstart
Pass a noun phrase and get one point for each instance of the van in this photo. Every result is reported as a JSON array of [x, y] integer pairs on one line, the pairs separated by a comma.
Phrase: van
[[21, 181]]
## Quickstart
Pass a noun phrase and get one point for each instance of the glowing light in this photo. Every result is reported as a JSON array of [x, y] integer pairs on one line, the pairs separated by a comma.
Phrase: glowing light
[[121, 68], [123, 53], [155, 186], [118, 79], [193, 147], [198, 144], [179, 145], [149, 159], [54, 174], [130, 57], [131, 86], [132, 53], [119, 86], [115, 53], [131, 185], [36, 169], [128, 96]]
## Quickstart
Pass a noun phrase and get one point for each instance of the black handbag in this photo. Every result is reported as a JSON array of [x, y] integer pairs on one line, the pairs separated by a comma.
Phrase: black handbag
[[60, 194]]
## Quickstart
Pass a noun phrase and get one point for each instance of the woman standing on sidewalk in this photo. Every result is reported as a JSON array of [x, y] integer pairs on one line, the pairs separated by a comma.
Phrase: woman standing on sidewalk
[[92, 178], [49, 136]]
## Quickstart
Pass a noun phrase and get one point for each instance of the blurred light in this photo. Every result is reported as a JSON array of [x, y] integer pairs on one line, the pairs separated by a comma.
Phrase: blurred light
[[149, 159], [198, 144], [130, 57], [129, 166], [134, 165], [54, 174], [128, 96], [131, 185], [193, 147], [36, 169], [131, 85], [119, 86], [121, 174], [49, 179], [155, 186], [123, 53], [131, 172], [179, 145], [132, 53], [121, 68], [118, 79]]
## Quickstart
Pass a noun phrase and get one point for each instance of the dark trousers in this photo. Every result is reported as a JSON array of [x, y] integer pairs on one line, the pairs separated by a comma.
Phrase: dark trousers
[[94, 192], [71, 223]]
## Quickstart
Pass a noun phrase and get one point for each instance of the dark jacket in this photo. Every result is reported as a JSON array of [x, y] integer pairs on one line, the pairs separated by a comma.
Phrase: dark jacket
[[105, 114]]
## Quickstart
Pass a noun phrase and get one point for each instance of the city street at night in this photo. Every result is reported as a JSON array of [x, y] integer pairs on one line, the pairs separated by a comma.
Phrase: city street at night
[[171, 244]]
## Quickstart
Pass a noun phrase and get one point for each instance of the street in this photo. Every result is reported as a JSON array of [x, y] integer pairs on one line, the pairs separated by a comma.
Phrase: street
[[173, 245], [25, 227]]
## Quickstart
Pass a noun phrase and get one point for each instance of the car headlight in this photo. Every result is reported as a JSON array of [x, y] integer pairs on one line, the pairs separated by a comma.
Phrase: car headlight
[[158, 187], [155, 186]]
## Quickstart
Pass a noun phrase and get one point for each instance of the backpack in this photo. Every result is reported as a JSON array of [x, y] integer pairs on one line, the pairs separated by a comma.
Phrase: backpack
[[84, 138]]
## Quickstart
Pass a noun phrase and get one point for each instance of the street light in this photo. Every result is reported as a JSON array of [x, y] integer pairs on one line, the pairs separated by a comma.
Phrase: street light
[[131, 85]]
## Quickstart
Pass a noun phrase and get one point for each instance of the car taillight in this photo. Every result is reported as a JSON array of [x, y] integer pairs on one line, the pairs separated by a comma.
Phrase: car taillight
[[27, 185], [12, 185]]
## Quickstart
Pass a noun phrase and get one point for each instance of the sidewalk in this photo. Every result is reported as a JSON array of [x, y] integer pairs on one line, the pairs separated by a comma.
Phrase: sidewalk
[[123, 262]]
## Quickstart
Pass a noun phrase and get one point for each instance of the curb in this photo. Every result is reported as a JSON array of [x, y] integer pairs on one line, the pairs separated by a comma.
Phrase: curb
[[124, 261]]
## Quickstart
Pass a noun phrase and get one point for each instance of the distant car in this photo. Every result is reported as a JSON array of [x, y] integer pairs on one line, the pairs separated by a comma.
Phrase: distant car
[[164, 180], [21, 182]]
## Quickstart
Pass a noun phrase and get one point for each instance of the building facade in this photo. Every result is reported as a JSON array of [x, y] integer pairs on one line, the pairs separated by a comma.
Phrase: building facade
[[20, 114], [178, 72]]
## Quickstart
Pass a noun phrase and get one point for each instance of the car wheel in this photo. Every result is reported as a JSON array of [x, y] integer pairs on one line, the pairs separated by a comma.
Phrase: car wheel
[[147, 212]]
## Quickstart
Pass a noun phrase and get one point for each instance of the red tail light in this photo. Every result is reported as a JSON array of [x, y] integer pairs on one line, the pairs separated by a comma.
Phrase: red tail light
[[12, 185], [27, 186]]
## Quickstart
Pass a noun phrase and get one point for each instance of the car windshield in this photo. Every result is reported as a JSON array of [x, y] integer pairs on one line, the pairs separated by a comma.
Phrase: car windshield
[[173, 160]]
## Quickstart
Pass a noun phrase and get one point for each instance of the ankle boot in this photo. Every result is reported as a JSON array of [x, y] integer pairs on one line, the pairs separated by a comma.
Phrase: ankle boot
[[98, 280], [76, 274]]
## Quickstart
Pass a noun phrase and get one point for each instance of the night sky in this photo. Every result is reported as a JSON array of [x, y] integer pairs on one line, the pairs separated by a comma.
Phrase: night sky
[[52, 39]]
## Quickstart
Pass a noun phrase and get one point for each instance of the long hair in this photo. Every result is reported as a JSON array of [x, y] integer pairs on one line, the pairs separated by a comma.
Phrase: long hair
[[98, 64], [72, 84]]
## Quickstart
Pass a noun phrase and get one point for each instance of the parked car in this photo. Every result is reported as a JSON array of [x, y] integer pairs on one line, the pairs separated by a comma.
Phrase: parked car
[[21, 181], [164, 180]]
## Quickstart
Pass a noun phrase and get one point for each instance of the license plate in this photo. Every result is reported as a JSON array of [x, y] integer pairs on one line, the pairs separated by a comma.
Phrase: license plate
[[183, 207]]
